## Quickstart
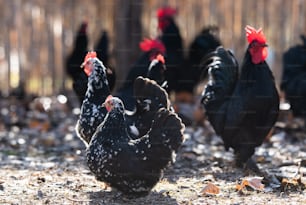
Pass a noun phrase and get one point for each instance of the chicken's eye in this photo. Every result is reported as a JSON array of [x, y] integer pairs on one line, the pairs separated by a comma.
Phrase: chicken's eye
[[109, 103], [254, 44]]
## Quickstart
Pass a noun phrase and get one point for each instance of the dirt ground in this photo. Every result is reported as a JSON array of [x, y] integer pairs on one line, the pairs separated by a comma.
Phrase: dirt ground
[[43, 162]]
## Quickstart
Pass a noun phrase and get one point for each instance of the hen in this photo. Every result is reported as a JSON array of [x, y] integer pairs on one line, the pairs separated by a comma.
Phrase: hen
[[151, 49], [92, 114], [130, 165], [134, 166], [293, 78], [243, 109]]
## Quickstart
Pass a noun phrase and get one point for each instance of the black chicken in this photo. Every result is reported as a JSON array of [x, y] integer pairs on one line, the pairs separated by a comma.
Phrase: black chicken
[[135, 166], [172, 39], [183, 73], [103, 54], [156, 70], [293, 78], [205, 42], [75, 59], [151, 49], [243, 109]]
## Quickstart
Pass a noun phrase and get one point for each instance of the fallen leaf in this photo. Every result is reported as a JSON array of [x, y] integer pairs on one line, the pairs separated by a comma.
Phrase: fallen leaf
[[210, 189], [254, 183], [294, 184], [42, 126], [240, 187]]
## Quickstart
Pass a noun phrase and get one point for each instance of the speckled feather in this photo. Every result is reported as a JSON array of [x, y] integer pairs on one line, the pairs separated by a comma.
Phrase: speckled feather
[[134, 166], [92, 114], [150, 97]]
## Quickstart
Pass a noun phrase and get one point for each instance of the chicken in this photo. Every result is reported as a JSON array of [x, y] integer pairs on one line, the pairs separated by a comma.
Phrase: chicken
[[75, 59], [183, 72], [242, 109], [293, 78], [134, 166], [102, 50], [203, 43], [156, 70], [151, 49], [92, 114], [172, 39], [127, 150]]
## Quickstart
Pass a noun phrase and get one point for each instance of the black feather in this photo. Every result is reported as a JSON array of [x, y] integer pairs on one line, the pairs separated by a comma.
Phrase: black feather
[[241, 109]]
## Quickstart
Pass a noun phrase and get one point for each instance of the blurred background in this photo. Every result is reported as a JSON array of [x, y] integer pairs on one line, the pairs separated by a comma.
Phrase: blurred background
[[37, 35]]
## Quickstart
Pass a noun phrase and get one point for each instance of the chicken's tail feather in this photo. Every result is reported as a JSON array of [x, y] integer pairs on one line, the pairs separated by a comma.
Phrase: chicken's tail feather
[[149, 95], [164, 139], [223, 73], [171, 129]]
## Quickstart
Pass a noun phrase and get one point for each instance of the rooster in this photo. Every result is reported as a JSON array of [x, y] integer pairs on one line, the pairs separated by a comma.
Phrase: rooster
[[172, 39], [151, 49], [293, 78], [183, 72], [242, 109], [134, 166], [203, 43]]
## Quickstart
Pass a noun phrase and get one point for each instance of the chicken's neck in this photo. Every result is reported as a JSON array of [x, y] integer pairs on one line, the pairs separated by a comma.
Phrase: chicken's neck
[[98, 88], [116, 125]]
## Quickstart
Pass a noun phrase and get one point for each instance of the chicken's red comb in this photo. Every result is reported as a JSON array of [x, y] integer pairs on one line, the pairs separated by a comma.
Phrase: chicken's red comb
[[160, 58], [108, 98], [90, 54], [105, 104], [83, 27], [149, 44], [253, 34], [166, 12]]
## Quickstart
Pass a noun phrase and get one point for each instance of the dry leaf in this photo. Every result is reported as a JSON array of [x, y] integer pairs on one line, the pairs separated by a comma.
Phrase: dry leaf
[[254, 183], [210, 189], [239, 187], [294, 184], [42, 126]]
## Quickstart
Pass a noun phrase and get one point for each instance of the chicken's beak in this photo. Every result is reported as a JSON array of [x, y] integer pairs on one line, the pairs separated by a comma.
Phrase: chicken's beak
[[264, 45], [82, 65], [109, 71]]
